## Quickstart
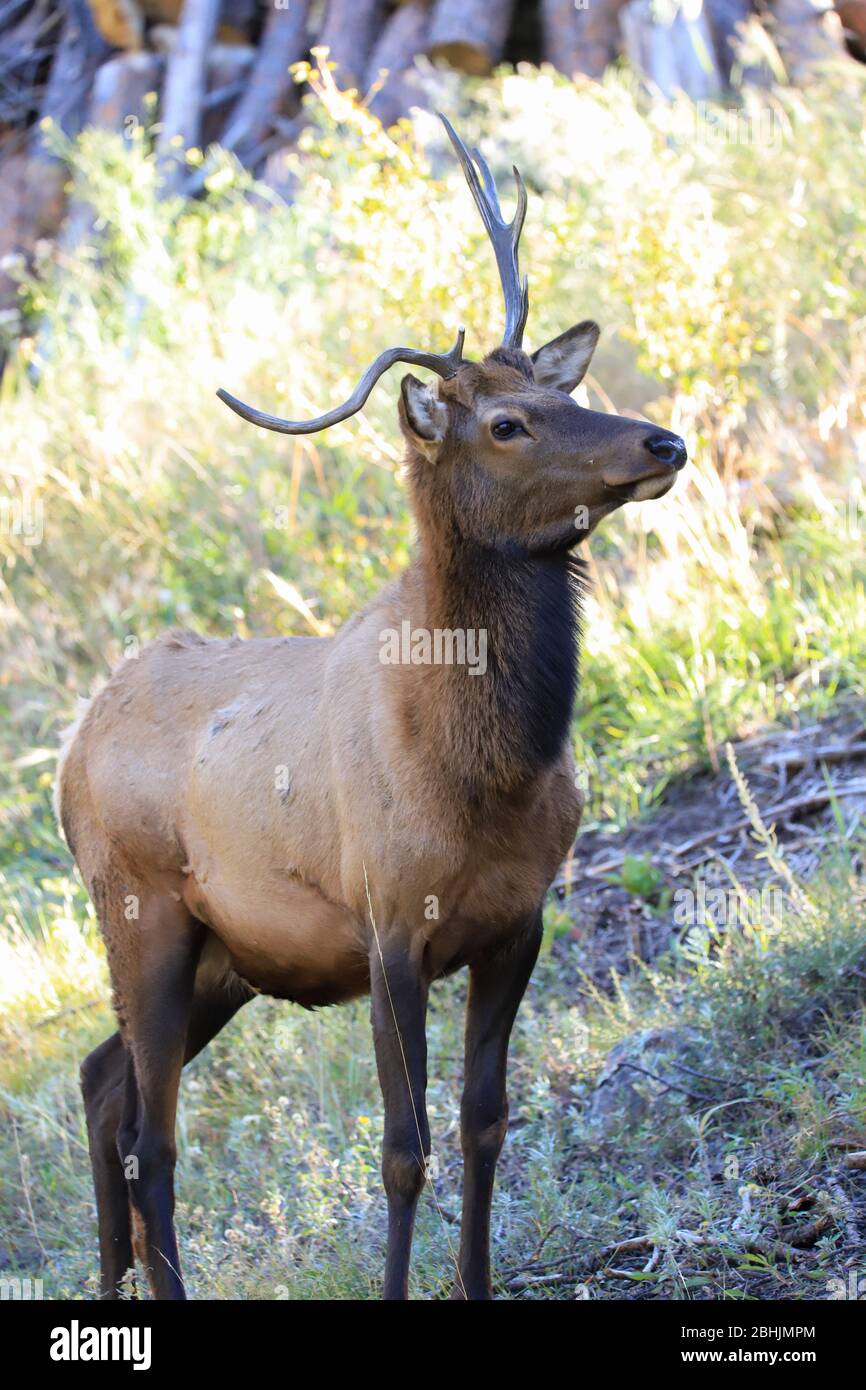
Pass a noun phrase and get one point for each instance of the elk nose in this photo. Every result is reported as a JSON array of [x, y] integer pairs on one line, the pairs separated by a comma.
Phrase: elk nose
[[669, 448]]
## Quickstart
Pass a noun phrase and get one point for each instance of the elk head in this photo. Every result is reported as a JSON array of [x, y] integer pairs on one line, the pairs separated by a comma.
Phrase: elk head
[[500, 443]]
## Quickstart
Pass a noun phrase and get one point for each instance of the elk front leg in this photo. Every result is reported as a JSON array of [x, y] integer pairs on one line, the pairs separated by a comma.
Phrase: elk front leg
[[496, 987], [399, 1006]]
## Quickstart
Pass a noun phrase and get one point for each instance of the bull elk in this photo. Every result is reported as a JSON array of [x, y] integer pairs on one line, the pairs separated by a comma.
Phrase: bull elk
[[404, 783]]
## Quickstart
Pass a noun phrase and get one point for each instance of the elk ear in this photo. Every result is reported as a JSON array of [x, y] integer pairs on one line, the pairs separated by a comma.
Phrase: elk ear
[[562, 362], [423, 416]]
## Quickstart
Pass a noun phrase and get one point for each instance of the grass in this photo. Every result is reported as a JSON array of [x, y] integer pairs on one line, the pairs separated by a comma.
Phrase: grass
[[735, 306], [280, 1124]]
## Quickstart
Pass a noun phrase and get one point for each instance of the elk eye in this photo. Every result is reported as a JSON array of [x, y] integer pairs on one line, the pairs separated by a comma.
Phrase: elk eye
[[506, 429]]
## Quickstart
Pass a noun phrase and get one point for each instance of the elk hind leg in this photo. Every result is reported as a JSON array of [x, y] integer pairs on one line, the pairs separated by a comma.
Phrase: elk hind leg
[[157, 1005], [102, 1086], [111, 1101]]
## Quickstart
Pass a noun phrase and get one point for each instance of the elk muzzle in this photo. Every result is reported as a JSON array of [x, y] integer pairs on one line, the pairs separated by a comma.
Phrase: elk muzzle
[[649, 474]]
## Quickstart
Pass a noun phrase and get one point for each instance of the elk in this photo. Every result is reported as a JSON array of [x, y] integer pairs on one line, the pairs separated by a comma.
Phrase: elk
[[404, 784]]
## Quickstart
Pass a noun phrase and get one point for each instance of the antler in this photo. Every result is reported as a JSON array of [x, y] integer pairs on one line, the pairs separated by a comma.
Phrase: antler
[[445, 364], [505, 236]]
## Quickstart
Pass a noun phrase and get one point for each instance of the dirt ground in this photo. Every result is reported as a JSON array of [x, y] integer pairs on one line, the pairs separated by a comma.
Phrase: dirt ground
[[809, 785]]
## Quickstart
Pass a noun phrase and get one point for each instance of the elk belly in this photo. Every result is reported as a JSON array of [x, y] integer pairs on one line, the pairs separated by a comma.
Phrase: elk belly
[[284, 937]]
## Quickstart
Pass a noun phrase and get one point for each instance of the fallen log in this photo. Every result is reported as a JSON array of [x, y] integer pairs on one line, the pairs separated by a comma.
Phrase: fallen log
[[279, 166], [469, 34], [812, 801], [580, 39], [35, 178], [25, 25], [25, 47], [237, 19], [186, 75], [809, 757], [391, 63], [120, 88], [11, 13], [117, 103], [120, 22], [674, 54], [123, 22], [80, 53], [726, 17], [229, 66], [16, 231], [349, 33], [806, 35], [270, 89]]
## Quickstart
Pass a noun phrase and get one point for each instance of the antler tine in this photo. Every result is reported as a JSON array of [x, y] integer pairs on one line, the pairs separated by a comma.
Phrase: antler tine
[[504, 236], [445, 364]]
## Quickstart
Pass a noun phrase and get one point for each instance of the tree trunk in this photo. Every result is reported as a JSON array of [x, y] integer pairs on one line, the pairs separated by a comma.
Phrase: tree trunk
[[185, 81], [285, 41], [403, 37], [675, 55], [349, 33], [470, 34]]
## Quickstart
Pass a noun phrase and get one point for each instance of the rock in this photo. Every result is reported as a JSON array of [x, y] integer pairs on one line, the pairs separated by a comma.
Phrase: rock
[[625, 1095]]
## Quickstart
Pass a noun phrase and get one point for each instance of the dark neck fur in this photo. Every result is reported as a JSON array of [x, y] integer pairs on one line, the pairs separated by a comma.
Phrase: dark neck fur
[[499, 730]]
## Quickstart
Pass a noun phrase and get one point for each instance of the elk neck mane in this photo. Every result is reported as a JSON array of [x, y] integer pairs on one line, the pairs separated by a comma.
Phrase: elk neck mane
[[494, 733]]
